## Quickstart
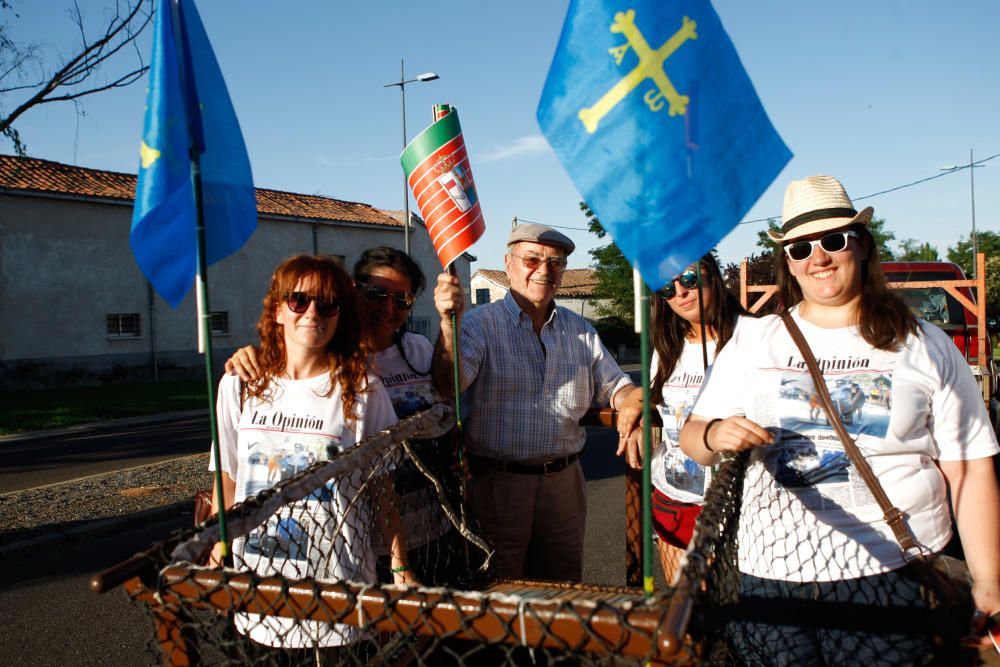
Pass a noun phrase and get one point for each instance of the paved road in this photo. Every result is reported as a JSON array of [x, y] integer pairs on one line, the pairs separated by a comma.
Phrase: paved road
[[49, 616], [38, 461]]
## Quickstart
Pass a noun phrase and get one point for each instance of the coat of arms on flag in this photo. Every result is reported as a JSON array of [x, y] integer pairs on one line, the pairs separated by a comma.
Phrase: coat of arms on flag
[[650, 111], [437, 169]]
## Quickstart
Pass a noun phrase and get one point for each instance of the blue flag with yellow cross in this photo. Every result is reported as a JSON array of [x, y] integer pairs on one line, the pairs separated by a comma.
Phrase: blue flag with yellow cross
[[650, 111], [188, 110]]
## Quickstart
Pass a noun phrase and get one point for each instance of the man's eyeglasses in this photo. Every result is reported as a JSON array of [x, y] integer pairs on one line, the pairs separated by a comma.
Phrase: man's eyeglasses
[[298, 302], [688, 280], [376, 294], [800, 251], [534, 261]]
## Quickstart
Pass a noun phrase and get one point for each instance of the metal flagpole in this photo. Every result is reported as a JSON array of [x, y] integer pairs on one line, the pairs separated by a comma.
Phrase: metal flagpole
[[460, 446], [197, 147], [701, 317], [647, 436], [205, 337], [641, 292]]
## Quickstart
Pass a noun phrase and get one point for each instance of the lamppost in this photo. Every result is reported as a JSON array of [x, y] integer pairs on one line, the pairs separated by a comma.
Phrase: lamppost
[[972, 166], [429, 76]]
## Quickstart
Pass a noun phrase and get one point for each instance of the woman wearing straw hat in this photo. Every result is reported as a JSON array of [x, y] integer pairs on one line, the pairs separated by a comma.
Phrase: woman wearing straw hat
[[810, 529]]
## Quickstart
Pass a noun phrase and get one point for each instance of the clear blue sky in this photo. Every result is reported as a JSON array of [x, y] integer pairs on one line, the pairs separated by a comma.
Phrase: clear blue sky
[[879, 94]]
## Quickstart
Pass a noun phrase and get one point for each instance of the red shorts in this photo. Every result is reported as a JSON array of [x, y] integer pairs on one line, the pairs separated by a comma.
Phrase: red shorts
[[674, 521]]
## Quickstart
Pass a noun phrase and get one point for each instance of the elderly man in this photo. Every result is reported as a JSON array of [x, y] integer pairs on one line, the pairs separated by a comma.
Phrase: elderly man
[[531, 369]]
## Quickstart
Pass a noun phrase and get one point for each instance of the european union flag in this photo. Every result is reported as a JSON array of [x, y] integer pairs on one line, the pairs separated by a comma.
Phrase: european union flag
[[657, 123], [188, 110]]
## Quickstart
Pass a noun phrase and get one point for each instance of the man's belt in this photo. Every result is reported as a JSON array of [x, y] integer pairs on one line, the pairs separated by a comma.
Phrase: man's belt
[[480, 464]]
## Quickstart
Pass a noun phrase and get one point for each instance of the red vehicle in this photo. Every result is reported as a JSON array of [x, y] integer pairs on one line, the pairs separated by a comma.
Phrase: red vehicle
[[930, 299]]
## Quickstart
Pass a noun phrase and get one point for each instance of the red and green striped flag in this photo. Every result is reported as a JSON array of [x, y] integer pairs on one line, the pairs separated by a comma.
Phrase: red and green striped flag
[[437, 168]]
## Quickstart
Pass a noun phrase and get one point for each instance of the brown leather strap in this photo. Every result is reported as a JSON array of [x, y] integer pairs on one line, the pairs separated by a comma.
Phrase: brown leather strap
[[890, 513]]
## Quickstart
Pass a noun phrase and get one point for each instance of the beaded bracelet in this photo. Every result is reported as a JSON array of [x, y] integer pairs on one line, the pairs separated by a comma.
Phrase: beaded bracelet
[[401, 568], [704, 436]]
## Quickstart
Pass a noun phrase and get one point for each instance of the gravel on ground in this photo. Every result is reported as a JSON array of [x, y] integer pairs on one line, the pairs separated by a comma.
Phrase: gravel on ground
[[36, 512]]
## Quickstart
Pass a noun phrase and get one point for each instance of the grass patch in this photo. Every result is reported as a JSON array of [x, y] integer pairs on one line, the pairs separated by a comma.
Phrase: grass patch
[[54, 408]]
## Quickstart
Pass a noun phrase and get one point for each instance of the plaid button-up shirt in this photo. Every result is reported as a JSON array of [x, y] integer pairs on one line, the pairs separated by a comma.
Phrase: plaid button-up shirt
[[529, 392]]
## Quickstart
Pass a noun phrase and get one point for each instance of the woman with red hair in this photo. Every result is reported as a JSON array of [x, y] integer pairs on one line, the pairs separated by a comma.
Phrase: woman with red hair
[[313, 400]]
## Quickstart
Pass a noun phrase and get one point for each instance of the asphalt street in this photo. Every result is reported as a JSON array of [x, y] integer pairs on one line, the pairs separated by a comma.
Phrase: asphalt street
[[50, 617], [49, 459]]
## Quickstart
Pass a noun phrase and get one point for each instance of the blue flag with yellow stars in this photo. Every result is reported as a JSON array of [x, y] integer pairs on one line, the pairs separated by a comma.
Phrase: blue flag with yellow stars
[[188, 109], [650, 111]]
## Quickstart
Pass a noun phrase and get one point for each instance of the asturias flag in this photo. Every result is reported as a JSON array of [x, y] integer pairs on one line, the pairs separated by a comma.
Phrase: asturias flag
[[437, 169], [650, 111], [187, 107]]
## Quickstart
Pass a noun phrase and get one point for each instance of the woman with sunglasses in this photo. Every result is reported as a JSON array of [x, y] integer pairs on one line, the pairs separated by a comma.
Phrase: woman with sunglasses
[[686, 334], [313, 399], [387, 283], [810, 530]]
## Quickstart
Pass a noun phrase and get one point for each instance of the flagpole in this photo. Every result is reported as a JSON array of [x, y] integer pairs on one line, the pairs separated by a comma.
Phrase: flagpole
[[701, 319], [647, 436], [460, 446], [205, 337]]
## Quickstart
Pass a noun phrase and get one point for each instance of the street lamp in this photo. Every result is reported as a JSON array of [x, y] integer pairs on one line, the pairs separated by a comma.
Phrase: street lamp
[[429, 76], [972, 166]]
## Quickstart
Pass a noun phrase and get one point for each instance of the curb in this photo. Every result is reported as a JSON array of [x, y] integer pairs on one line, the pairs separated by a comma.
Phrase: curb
[[90, 427], [94, 529]]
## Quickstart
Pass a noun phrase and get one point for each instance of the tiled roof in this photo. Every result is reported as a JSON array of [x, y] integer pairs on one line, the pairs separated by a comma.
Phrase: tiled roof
[[34, 175], [575, 282]]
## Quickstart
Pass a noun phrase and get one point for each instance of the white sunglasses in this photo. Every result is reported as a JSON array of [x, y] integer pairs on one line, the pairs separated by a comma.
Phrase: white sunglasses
[[800, 251]]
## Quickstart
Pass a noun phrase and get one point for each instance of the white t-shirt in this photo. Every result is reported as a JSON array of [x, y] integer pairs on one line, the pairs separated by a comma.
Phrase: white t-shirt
[[409, 392], [323, 536], [807, 514], [674, 473], [420, 510]]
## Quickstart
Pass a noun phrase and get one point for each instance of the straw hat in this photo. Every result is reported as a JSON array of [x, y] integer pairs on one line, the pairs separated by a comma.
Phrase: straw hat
[[817, 204]]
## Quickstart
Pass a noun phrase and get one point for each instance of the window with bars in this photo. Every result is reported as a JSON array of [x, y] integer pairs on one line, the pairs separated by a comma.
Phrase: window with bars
[[123, 325], [220, 322]]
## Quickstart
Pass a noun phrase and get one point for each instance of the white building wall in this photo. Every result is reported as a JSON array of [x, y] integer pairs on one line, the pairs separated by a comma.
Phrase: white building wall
[[497, 293], [65, 264]]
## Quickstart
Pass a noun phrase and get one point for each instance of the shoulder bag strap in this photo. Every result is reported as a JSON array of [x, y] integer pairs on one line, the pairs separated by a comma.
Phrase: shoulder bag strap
[[890, 513]]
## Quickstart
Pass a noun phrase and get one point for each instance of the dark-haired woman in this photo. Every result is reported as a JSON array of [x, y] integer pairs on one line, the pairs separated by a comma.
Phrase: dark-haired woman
[[810, 531], [681, 345], [312, 399], [388, 282]]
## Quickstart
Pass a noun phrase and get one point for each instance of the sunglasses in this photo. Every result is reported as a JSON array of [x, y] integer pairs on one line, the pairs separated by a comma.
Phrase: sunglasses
[[534, 261], [688, 280], [376, 294], [800, 251], [298, 302]]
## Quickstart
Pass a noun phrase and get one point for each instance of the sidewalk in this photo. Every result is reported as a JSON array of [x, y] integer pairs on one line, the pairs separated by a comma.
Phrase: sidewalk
[[12, 547]]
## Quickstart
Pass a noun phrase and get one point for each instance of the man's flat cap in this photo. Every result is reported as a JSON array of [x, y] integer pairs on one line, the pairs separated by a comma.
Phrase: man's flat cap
[[535, 233]]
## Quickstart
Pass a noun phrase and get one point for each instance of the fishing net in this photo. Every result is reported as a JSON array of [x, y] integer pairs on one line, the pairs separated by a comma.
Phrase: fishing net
[[319, 591]]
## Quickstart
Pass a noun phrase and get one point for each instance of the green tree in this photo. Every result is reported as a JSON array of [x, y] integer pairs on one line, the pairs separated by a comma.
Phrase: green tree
[[882, 238], [912, 250], [613, 274], [988, 243], [993, 285], [28, 81]]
